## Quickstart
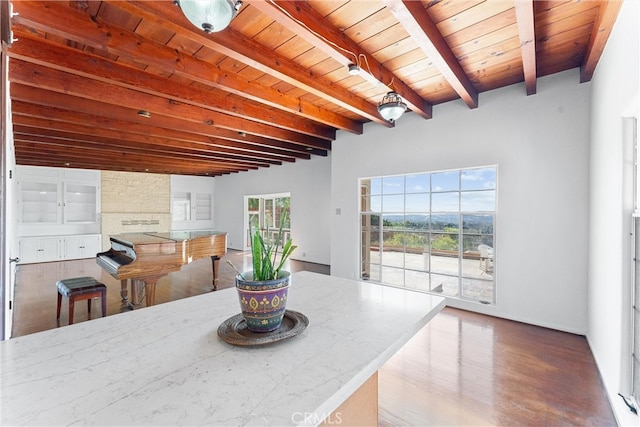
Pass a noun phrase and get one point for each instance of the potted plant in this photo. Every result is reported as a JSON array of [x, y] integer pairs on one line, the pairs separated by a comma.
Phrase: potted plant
[[263, 291]]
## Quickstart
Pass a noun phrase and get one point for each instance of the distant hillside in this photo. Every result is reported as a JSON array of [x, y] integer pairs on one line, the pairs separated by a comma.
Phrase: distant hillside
[[480, 223]]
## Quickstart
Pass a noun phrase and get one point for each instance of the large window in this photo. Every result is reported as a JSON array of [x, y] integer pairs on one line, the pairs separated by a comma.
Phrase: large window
[[432, 232], [265, 212]]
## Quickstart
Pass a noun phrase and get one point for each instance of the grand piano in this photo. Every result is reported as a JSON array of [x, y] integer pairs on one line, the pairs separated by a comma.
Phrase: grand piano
[[146, 257]]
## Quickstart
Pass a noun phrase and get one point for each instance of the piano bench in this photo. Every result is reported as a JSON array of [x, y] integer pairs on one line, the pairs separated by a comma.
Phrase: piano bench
[[81, 288]]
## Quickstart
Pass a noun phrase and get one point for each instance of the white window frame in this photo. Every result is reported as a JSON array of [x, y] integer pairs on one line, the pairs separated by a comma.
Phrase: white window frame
[[375, 268]]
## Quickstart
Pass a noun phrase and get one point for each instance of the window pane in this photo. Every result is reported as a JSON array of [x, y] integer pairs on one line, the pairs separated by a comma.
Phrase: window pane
[[478, 179], [376, 186], [416, 280], [373, 272], [445, 181], [445, 222], [416, 222], [444, 253], [416, 246], [393, 185], [479, 290], [445, 202], [470, 242], [445, 285], [375, 221], [282, 208], [393, 203], [475, 259], [392, 276], [268, 213], [368, 229], [254, 204], [444, 262], [477, 224], [370, 238], [376, 204], [393, 248], [393, 222], [417, 202], [474, 201], [418, 183], [254, 220]]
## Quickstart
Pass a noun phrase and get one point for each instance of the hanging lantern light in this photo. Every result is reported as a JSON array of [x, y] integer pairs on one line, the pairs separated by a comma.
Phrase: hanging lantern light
[[391, 108], [210, 15]]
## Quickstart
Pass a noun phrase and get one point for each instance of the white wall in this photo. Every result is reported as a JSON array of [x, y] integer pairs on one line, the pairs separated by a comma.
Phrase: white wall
[[540, 145], [614, 96], [308, 182]]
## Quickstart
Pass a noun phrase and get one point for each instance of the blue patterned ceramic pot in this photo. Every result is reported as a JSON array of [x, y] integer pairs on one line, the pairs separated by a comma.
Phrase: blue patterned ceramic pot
[[263, 303]]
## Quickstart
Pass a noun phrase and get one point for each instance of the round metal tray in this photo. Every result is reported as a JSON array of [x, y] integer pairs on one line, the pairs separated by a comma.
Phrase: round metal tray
[[234, 330]]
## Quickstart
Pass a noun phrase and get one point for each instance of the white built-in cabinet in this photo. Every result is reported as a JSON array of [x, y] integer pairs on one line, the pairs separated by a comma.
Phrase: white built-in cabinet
[[58, 213], [82, 246], [40, 249], [191, 202], [57, 248]]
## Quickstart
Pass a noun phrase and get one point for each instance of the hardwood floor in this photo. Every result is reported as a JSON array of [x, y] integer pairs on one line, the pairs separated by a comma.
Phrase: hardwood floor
[[463, 368], [36, 293], [469, 369]]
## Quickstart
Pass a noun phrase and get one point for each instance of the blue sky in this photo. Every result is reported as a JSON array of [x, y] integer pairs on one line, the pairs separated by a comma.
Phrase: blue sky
[[477, 186]]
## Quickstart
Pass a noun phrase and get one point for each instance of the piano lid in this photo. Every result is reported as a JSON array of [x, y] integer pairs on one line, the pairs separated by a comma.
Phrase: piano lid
[[131, 239], [188, 235]]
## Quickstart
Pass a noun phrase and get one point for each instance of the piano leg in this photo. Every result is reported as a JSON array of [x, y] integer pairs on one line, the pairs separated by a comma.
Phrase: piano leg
[[137, 286], [124, 294], [215, 261], [148, 284], [150, 288]]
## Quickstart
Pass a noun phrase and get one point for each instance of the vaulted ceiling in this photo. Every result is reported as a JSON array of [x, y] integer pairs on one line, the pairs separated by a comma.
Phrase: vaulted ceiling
[[134, 86]]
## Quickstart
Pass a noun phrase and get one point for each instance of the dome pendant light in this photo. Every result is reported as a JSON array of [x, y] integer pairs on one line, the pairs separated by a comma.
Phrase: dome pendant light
[[209, 15], [391, 107]]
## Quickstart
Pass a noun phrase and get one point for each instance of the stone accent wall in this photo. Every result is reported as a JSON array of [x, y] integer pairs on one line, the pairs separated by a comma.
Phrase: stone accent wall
[[134, 202]]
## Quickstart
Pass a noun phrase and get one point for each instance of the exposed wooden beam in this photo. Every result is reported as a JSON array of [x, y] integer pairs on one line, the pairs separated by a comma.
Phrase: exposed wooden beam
[[65, 22], [62, 82], [34, 102], [249, 52], [307, 23], [415, 19], [64, 156], [607, 15], [93, 67], [50, 128], [526, 31], [116, 152]]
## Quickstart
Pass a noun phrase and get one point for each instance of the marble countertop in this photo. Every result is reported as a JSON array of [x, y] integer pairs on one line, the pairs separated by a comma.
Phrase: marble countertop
[[166, 365]]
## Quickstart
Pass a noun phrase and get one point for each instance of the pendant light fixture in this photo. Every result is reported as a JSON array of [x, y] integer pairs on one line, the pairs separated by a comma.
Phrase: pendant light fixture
[[391, 108], [210, 15]]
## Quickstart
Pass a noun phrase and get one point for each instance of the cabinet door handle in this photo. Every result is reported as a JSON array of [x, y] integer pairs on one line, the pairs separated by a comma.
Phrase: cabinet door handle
[[16, 260]]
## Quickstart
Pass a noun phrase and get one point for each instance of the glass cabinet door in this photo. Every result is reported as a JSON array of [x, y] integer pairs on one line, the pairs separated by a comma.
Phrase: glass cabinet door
[[80, 203], [39, 203]]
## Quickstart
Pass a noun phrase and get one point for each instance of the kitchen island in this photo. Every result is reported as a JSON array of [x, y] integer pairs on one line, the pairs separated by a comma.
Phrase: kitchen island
[[166, 364]]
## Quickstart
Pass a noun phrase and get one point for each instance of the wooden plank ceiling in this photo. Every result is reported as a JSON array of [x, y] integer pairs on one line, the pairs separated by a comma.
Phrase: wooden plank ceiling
[[133, 86]]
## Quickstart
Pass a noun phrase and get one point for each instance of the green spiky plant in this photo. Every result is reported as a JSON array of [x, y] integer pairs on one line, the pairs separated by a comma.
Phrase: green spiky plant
[[265, 254]]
